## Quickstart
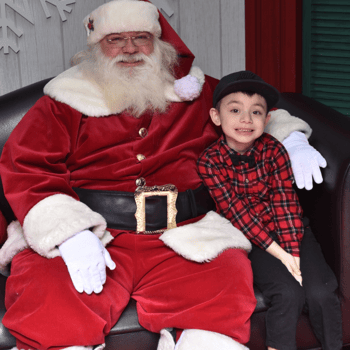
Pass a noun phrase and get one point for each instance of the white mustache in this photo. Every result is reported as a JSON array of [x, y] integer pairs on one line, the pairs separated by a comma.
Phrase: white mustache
[[129, 58]]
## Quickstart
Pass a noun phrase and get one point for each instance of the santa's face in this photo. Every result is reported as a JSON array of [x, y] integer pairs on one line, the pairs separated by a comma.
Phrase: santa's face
[[139, 82], [127, 45]]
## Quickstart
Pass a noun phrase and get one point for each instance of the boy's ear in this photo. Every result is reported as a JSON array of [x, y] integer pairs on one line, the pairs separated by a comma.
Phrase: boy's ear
[[215, 116], [267, 118]]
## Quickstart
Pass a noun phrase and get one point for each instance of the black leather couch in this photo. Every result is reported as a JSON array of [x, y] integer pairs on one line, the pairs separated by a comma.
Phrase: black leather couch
[[327, 206]]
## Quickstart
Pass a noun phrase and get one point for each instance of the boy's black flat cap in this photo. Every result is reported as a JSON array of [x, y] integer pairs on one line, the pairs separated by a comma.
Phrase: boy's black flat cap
[[245, 81]]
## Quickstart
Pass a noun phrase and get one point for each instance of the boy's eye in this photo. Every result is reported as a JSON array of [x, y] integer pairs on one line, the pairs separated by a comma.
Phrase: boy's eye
[[257, 113], [235, 110]]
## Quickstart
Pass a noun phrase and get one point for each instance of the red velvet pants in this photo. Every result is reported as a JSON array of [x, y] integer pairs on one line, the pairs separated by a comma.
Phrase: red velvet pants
[[45, 311]]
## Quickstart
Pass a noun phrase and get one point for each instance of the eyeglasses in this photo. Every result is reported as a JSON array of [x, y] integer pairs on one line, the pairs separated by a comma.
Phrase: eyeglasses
[[138, 40]]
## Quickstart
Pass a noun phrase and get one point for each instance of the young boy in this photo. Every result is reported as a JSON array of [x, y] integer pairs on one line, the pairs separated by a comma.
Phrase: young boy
[[249, 175]]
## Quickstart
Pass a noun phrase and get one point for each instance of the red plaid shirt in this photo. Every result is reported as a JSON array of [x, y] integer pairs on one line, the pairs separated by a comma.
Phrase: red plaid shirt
[[258, 200]]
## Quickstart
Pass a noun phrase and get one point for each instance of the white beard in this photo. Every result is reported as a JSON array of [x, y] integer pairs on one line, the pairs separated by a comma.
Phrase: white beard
[[132, 89]]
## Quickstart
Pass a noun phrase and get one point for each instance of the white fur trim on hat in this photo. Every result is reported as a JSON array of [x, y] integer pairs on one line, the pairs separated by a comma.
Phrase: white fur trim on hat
[[281, 124], [57, 218], [122, 16], [187, 88], [205, 239], [190, 87]]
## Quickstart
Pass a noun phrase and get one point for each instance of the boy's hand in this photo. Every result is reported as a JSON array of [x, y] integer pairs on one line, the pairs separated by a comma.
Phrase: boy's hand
[[298, 277], [289, 261]]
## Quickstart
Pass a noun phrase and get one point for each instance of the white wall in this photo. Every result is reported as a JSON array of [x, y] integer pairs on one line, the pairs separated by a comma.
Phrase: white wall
[[212, 29]]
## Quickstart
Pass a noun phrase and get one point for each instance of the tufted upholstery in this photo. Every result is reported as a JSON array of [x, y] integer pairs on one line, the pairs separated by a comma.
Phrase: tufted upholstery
[[327, 206]]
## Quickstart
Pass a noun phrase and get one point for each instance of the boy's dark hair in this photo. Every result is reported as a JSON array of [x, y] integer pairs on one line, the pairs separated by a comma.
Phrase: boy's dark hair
[[245, 81]]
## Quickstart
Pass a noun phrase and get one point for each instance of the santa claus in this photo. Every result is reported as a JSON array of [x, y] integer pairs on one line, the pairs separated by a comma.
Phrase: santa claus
[[96, 172]]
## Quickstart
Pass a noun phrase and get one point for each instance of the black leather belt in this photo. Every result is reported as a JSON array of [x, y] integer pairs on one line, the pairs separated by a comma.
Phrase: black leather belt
[[118, 208]]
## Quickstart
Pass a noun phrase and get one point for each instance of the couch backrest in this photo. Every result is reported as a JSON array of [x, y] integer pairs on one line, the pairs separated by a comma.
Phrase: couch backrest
[[14, 105]]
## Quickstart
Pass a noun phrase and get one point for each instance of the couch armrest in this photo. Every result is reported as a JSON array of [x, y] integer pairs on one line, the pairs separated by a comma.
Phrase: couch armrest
[[327, 205]]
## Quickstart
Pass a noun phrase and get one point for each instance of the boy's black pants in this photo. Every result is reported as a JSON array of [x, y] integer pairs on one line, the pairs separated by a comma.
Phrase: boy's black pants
[[287, 298]]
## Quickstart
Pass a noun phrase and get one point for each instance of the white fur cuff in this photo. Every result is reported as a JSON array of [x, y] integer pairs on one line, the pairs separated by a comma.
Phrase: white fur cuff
[[197, 339], [205, 239], [282, 124], [14, 244], [57, 218]]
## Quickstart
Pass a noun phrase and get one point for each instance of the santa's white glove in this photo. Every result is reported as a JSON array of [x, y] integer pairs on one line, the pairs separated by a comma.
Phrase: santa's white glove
[[306, 160], [86, 259]]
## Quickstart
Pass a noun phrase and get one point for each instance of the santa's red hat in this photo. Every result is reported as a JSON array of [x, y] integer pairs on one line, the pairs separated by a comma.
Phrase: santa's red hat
[[122, 16]]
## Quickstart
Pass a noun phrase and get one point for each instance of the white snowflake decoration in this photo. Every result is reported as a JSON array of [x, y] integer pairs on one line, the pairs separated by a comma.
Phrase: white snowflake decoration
[[6, 24], [62, 7]]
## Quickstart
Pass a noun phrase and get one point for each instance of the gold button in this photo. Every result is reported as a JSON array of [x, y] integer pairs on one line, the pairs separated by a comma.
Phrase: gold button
[[141, 181], [246, 181], [140, 157], [143, 132]]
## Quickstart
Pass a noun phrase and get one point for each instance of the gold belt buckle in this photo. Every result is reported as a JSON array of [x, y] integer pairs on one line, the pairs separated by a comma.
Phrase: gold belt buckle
[[147, 191]]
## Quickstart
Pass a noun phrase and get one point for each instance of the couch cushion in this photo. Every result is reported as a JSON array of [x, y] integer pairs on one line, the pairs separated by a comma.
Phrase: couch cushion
[[261, 303]]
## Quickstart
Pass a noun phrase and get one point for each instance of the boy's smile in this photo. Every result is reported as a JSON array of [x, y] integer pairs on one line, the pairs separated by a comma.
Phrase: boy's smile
[[242, 118]]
